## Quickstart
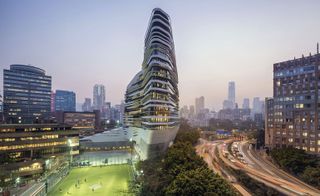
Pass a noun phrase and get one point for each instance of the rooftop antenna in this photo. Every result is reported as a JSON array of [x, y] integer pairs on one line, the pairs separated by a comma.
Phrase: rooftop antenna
[[318, 48]]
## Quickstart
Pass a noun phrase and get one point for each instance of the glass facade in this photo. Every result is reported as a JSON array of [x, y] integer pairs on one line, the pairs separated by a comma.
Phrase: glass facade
[[65, 101], [26, 94]]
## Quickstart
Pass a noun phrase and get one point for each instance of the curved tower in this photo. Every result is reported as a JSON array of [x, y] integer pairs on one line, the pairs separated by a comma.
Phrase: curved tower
[[152, 97]]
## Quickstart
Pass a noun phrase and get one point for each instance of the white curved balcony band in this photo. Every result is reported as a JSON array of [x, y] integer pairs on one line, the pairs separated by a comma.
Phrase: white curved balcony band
[[154, 61], [160, 34], [173, 117], [150, 28], [159, 101], [158, 123], [161, 30], [157, 32], [151, 42], [157, 81], [159, 56], [154, 25], [158, 105]]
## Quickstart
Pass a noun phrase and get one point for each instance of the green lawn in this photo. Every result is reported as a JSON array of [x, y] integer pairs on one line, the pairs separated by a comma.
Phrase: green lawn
[[108, 180]]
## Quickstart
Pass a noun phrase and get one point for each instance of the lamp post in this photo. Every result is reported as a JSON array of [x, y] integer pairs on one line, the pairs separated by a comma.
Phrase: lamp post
[[70, 148]]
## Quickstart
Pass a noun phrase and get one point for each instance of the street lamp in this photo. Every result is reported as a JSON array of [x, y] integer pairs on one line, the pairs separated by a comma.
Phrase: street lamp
[[70, 148], [18, 180]]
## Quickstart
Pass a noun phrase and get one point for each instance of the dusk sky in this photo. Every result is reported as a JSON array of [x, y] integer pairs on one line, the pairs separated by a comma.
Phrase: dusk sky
[[81, 43]]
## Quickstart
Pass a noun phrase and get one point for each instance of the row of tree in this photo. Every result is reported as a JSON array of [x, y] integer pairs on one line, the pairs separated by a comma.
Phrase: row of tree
[[181, 171], [299, 163]]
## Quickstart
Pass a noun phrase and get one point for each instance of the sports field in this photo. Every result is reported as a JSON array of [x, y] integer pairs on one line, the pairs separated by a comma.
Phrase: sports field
[[107, 180]]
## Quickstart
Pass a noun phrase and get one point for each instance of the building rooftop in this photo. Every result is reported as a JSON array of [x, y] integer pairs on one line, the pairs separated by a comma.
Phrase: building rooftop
[[27, 68], [33, 125], [115, 135]]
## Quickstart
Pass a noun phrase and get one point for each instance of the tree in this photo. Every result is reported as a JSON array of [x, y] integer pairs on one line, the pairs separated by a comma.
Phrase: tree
[[180, 171], [293, 160], [311, 175], [187, 134], [181, 154], [199, 181], [299, 163]]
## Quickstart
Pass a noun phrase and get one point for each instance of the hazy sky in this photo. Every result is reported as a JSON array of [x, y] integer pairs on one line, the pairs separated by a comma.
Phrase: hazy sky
[[81, 42]]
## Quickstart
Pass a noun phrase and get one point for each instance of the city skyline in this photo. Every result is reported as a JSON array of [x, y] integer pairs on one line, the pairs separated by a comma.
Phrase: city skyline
[[75, 39], [217, 100]]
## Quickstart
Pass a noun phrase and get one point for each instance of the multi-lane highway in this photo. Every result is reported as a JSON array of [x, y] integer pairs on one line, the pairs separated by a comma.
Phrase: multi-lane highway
[[208, 150], [217, 156], [260, 163]]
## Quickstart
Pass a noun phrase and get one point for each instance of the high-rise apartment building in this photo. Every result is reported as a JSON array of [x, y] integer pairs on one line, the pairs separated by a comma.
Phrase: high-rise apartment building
[[151, 100], [257, 106], [99, 97], [199, 104], [246, 103], [294, 118], [65, 101], [86, 106], [230, 103], [269, 122], [232, 93], [26, 94], [191, 111]]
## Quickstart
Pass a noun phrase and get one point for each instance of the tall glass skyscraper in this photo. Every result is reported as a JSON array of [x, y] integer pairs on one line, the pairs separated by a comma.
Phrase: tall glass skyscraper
[[232, 93], [151, 100], [99, 97], [65, 101], [26, 94]]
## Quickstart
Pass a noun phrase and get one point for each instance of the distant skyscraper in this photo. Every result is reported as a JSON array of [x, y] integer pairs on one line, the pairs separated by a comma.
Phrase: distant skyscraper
[[86, 106], [184, 112], [107, 111], [227, 104], [256, 106], [232, 93], [199, 104], [65, 101], [152, 97], [53, 101], [191, 111], [78, 107], [99, 97], [246, 103], [122, 112], [27, 94]]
